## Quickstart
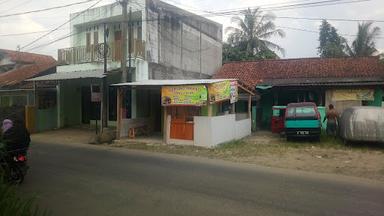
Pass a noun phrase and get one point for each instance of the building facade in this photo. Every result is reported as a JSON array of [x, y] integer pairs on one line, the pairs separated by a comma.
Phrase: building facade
[[343, 82], [19, 99], [167, 42], [164, 42]]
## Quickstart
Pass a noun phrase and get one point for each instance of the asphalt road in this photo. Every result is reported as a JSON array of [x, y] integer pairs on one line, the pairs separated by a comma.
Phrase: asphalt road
[[88, 180]]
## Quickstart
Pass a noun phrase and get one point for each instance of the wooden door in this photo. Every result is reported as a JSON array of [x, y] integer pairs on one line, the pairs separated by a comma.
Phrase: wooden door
[[182, 122]]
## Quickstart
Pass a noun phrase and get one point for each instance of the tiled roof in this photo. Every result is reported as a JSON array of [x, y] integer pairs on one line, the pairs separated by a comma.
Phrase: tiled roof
[[29, 65], [305, 70]]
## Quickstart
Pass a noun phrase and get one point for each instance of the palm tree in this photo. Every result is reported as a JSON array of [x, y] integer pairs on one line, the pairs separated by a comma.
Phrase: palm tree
[[253, 31], [364, 44]]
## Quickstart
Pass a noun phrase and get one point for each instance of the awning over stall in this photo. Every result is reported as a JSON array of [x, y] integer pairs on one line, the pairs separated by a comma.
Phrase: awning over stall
[[159, 83], [71, 75], [171, 82]]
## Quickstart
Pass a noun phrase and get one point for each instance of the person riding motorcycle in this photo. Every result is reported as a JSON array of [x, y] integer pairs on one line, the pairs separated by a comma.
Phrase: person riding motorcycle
[[15, 137], [15, 142]]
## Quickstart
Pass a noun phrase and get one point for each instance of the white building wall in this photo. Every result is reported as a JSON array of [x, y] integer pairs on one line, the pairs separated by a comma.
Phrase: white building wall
[[152, 38], [211, 131], [211, 55], [104, 12], [190, 49], [243, 128]]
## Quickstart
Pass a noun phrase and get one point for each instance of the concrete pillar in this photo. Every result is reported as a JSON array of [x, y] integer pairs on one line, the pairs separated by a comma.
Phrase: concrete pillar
[[210, 109], [133, 103], [118, 112], [233, 109], [249, 105], [165, 125], [58, 104]]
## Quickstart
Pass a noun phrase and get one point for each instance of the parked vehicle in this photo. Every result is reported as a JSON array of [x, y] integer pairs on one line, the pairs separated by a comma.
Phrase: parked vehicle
[[302, 120], [278, 119], [362, 124], [13, 165]]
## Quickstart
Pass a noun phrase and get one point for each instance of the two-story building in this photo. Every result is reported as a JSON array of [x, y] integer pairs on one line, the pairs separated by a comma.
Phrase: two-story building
[[166, 43]]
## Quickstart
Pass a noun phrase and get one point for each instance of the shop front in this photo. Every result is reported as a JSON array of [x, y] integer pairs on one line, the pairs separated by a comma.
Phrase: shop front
[[196, 112]]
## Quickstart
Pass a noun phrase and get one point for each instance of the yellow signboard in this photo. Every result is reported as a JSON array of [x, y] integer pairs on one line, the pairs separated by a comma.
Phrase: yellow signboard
[[353, 94], [225, 90], [195, 95]]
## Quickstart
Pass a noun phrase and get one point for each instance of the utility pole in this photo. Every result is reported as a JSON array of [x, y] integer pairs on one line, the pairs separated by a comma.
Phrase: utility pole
[[124, 75], [130, 44], [104, 86], [201, 52]]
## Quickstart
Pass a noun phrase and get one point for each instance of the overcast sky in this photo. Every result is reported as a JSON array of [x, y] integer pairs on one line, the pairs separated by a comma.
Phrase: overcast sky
[[296, 43]]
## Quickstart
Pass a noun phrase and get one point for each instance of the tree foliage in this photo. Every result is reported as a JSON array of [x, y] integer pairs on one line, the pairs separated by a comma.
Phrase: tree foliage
[[364, 44], [332, 45], [250, 38]]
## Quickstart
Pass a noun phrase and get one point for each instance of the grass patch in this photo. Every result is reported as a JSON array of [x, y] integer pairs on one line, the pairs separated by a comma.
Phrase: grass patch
[[12, 203], [231, 145], [325, 142]]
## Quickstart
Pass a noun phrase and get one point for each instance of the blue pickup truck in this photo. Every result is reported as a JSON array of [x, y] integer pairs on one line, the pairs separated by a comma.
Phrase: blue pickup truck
[[302, 120]]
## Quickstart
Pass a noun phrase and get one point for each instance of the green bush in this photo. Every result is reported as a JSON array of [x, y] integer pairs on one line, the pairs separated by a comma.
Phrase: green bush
[[13, 204]]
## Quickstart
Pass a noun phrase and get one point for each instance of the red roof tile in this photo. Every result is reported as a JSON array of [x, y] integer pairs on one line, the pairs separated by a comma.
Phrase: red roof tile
[[31, 65], [291, 70]]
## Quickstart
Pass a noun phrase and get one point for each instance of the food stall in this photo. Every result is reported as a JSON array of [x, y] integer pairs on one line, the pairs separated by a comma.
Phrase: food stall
[[198, 112]]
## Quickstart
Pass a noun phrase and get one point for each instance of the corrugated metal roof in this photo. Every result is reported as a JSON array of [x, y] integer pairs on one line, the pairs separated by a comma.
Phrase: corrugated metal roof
[[171, 82], [71, 75]]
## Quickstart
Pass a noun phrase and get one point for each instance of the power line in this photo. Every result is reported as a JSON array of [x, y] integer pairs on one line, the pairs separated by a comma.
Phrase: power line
[[285, 7], [54, 41], [46, 9], [271, 4], [240, 11], [278, 17], [331, 19], [62, 38], [316, 5], [317, 32], [289, 5], [27, 33], [225, 14], [34, 41]]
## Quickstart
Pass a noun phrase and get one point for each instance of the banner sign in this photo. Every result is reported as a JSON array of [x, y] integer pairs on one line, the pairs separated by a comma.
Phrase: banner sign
[[234, 94], [353, 95], [225, 90], [195, 95], [95, 93]]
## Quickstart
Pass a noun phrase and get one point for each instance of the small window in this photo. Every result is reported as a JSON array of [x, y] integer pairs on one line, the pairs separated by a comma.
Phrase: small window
[[88, 42], [301, 111], [291, 111], [305, 111], [46, 99], [95, 38], [139, 33], [4, 101]]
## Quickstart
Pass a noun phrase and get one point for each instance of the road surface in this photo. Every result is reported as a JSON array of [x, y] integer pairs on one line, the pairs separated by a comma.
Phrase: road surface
[[92, 180]]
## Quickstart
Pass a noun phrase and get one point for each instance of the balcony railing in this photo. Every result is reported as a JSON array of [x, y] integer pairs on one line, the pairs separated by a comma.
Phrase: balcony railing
[[94, 53]]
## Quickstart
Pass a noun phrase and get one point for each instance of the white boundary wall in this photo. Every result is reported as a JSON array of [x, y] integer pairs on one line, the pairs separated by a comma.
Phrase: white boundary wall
[[211, 131]]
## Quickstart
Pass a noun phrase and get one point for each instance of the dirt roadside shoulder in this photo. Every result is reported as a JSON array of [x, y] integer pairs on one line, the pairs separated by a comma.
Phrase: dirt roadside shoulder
[[328, 156]]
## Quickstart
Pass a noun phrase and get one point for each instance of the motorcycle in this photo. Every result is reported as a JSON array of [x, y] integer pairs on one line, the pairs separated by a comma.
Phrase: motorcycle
[[13, 165]]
